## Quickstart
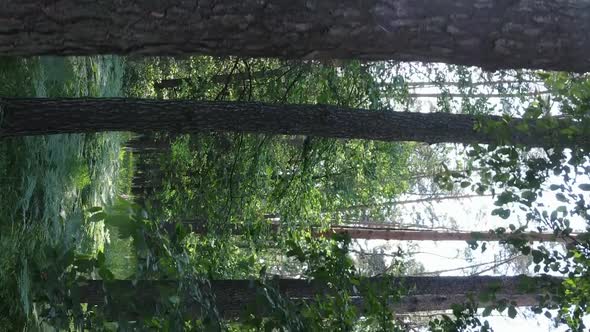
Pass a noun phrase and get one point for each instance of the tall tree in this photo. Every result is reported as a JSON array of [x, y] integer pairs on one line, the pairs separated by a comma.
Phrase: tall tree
[[432, 198], [478, 95], [426, 293], [430, 84], [172, 83], [53, 116], [385, 232], [493, 34]]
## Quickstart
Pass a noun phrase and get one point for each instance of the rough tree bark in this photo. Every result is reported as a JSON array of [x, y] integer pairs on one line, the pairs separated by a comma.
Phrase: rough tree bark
[[544, 34], [40, 116], [425, 293], [390, 233]]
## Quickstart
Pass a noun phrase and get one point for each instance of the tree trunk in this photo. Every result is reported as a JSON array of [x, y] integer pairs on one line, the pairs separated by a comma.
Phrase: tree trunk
[[469, 84], [430, 199], [40, 116], [478, 95], [232, 296], [173, 83], [544, 34], [390, 233], [242, 76], [419, 176], [385, 232]]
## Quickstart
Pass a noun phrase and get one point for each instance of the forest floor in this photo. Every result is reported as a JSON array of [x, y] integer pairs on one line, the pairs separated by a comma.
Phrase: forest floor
[[48, 182]]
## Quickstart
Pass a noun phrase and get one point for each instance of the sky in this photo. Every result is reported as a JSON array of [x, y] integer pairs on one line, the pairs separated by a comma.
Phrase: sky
[[475, 214], [467, 213]]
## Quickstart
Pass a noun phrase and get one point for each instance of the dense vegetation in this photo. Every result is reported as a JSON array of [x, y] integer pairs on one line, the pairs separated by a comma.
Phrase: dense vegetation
[[107, 231]]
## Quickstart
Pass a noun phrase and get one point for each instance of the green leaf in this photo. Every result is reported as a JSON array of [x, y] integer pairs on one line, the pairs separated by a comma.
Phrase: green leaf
[[584, 186], [562, 209], [561, 197], [512, 311], [501, 212], [503, 198], [124, 224], [174, 299], [528, 195], [537, 256], [100, 216], [487, 311], [481, 189], [100, 259], [472, 244], [85, 263], [105, 273], [94, 209]]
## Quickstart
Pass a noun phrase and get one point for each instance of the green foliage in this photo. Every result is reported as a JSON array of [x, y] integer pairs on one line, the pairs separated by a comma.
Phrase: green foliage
[[45, 181], [326, 263], [240, 181], [464, 319], [53, 237], [522, 175], [166, 256]]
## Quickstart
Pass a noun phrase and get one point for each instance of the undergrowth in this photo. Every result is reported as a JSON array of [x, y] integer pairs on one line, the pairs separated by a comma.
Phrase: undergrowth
[[48, 181]]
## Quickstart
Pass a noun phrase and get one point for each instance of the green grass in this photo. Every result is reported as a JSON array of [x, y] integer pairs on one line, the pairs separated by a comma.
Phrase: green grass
[[48, 181]]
